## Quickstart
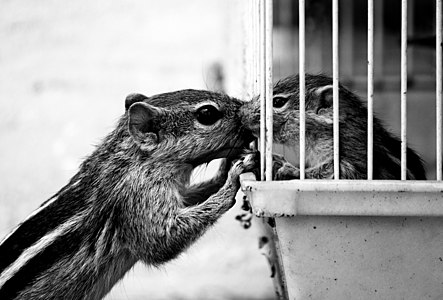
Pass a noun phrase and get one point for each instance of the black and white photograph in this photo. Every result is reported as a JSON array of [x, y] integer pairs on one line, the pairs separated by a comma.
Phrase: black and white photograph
[[221, 149]]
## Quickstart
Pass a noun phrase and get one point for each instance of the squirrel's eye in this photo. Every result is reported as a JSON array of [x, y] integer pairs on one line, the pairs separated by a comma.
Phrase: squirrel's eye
[[208, 115], [279, 101]]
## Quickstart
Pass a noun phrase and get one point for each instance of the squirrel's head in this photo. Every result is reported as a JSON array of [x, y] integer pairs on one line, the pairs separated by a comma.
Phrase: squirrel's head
[[189, 126], [286, 105]]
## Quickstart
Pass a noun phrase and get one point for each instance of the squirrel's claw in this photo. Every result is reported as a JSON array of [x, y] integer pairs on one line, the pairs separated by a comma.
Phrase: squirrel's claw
[[250, 161], [245, 164]]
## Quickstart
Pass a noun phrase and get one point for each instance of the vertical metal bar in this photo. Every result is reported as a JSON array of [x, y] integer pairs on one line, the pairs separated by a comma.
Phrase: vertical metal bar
[[262, 87], [302, 86], [267, 72], [335, 72], [266, 88], [370, 161], [404, 82], [439, 86]]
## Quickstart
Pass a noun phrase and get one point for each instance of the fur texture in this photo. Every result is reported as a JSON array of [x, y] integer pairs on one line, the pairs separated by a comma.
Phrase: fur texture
[[130, 200], [319, 133]]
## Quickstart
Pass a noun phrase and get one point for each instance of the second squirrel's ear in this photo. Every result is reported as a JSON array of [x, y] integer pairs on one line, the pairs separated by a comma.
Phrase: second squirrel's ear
[[133, 98], [324, 98], [142, 120]]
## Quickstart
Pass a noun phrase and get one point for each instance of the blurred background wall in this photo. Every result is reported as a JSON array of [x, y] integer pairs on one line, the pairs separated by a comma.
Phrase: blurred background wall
[[65, 70]]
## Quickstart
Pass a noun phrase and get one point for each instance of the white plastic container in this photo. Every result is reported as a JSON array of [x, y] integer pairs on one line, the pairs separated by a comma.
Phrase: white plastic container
[[355, 239]]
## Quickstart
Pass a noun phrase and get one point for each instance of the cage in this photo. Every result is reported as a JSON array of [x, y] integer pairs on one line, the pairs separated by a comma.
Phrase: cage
[[338, 238]]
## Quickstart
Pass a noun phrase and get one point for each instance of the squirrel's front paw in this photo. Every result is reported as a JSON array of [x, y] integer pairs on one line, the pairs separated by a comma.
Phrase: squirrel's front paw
[[245, 164], [283, 170]]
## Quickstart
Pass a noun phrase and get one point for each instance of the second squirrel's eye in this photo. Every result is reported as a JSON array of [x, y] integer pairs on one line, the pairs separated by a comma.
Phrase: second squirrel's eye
[[279, 101], [208, 115]]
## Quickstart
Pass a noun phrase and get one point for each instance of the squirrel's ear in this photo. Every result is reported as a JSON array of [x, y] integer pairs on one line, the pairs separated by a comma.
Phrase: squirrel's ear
[[133, 98], [324, 98], [142, 120]]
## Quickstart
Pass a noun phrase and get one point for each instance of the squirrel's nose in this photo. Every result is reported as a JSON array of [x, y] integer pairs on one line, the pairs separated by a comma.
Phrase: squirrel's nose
[[250, 116]]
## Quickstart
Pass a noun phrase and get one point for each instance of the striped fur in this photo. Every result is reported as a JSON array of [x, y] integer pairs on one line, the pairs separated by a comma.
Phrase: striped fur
[[126, 204]]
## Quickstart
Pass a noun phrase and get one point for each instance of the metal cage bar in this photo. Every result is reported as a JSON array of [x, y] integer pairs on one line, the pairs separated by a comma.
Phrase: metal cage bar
[[262, 87], [370, 160], [295, 208], [302, 86], [335, 83], [439, 88], [404, 86], [266, 133], [269, 86]]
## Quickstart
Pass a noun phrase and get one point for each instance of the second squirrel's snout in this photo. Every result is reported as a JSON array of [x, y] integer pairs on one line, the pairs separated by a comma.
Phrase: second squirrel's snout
[[250, 116]]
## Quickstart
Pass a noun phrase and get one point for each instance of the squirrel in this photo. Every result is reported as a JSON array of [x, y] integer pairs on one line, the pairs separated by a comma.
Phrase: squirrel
[[319, 133], [131, 199]]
